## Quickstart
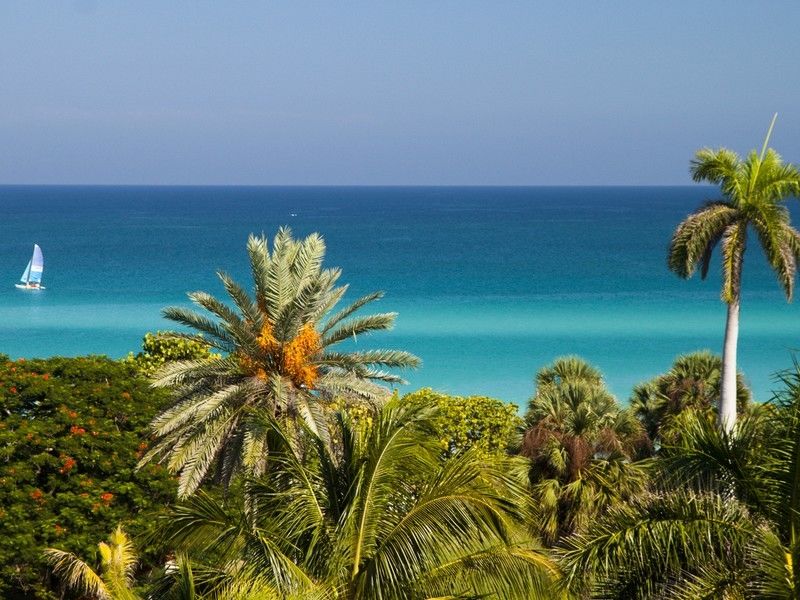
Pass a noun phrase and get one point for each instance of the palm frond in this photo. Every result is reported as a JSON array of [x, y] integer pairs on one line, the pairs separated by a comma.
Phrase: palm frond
[[76, 574], [359, 326], [657, 539], [692, 238], [349, 310], [722, 167]]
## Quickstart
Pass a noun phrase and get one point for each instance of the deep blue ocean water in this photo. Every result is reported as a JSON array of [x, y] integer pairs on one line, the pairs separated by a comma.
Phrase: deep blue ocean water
[[490, 283]]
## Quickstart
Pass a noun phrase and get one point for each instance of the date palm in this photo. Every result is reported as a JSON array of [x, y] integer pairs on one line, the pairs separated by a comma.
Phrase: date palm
[[278, 361], [580, 444], [753, 190], [383, 516]]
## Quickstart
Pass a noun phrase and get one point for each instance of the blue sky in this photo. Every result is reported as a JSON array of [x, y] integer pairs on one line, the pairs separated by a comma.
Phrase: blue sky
[[436, 92]]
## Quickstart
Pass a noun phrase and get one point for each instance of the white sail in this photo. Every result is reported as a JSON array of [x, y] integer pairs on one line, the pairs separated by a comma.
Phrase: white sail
[[32, 277], [26, 275], [36, 265]]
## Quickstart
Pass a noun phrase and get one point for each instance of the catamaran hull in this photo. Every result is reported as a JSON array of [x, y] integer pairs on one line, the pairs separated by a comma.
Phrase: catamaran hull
[[31, 288]]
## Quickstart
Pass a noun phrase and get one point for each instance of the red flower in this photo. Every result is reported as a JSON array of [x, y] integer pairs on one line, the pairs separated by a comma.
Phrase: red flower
[[46, 376], [107, 497], [75, 430], [12, 389], [37, 494], [72, 414], [67, 464]]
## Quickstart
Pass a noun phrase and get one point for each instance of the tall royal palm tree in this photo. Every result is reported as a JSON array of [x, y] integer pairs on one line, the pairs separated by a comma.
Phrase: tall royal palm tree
[[580, 444], [383, 516], [753, 190], [278, 362]]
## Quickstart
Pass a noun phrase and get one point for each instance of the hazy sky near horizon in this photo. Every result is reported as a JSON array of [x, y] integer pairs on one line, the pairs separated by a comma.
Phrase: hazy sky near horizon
[[443, 92]]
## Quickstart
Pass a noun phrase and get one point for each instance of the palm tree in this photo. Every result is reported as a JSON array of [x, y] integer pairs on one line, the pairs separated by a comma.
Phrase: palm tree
[[753, 191], [386, 517], [115, 579], [580, 444], [725, 522], [277, 361], [693, 382]]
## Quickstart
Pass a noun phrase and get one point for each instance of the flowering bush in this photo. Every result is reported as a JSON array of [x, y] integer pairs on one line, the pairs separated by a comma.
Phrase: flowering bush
[[71, 431]]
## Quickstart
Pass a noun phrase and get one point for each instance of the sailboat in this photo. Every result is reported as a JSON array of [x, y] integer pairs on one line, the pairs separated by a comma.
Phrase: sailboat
[[32, 277]]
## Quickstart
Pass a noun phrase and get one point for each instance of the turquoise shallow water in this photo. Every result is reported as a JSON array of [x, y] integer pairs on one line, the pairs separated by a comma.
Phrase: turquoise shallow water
[[490, 283]]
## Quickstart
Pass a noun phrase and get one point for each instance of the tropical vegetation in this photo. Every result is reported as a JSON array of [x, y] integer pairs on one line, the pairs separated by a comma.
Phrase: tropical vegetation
[[693, 382], [278, 362], [385, 516], [753, 193], [258, 452], [721, 519], [581, 445]]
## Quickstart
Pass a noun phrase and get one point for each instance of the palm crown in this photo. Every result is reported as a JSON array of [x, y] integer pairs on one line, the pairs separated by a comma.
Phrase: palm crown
[[693, 381], [752, 191], [277, 362], [579, 442]]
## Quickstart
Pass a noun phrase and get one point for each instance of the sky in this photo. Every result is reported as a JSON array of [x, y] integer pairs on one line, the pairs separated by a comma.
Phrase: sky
[[389, 93]]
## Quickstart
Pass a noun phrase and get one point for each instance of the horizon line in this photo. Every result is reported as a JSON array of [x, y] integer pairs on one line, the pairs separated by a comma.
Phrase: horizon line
[[362, 185]]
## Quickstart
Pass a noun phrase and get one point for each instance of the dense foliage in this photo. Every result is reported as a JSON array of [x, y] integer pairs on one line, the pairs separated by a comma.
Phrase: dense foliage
[[721, 519], [71, 432], [580, 444], [387, 517]]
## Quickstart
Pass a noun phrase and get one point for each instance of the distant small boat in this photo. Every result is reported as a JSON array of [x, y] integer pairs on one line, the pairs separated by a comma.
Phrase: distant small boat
[[32, 277]]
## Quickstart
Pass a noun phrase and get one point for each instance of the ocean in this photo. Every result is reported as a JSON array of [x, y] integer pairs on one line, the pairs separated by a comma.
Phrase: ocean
[[491, 283]]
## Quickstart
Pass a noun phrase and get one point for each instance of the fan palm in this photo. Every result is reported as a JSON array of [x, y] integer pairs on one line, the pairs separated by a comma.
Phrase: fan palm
[[753, 190], [386, 516], [724, 525], [693, 381], [278, 361], [580, 444]]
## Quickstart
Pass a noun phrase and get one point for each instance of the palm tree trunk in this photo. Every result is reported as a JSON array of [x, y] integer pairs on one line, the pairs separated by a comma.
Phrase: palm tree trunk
[[727, 405]]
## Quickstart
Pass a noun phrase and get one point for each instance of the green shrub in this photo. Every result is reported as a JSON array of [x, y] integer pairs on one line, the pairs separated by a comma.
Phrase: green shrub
[[488, 424], [161, 347]]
